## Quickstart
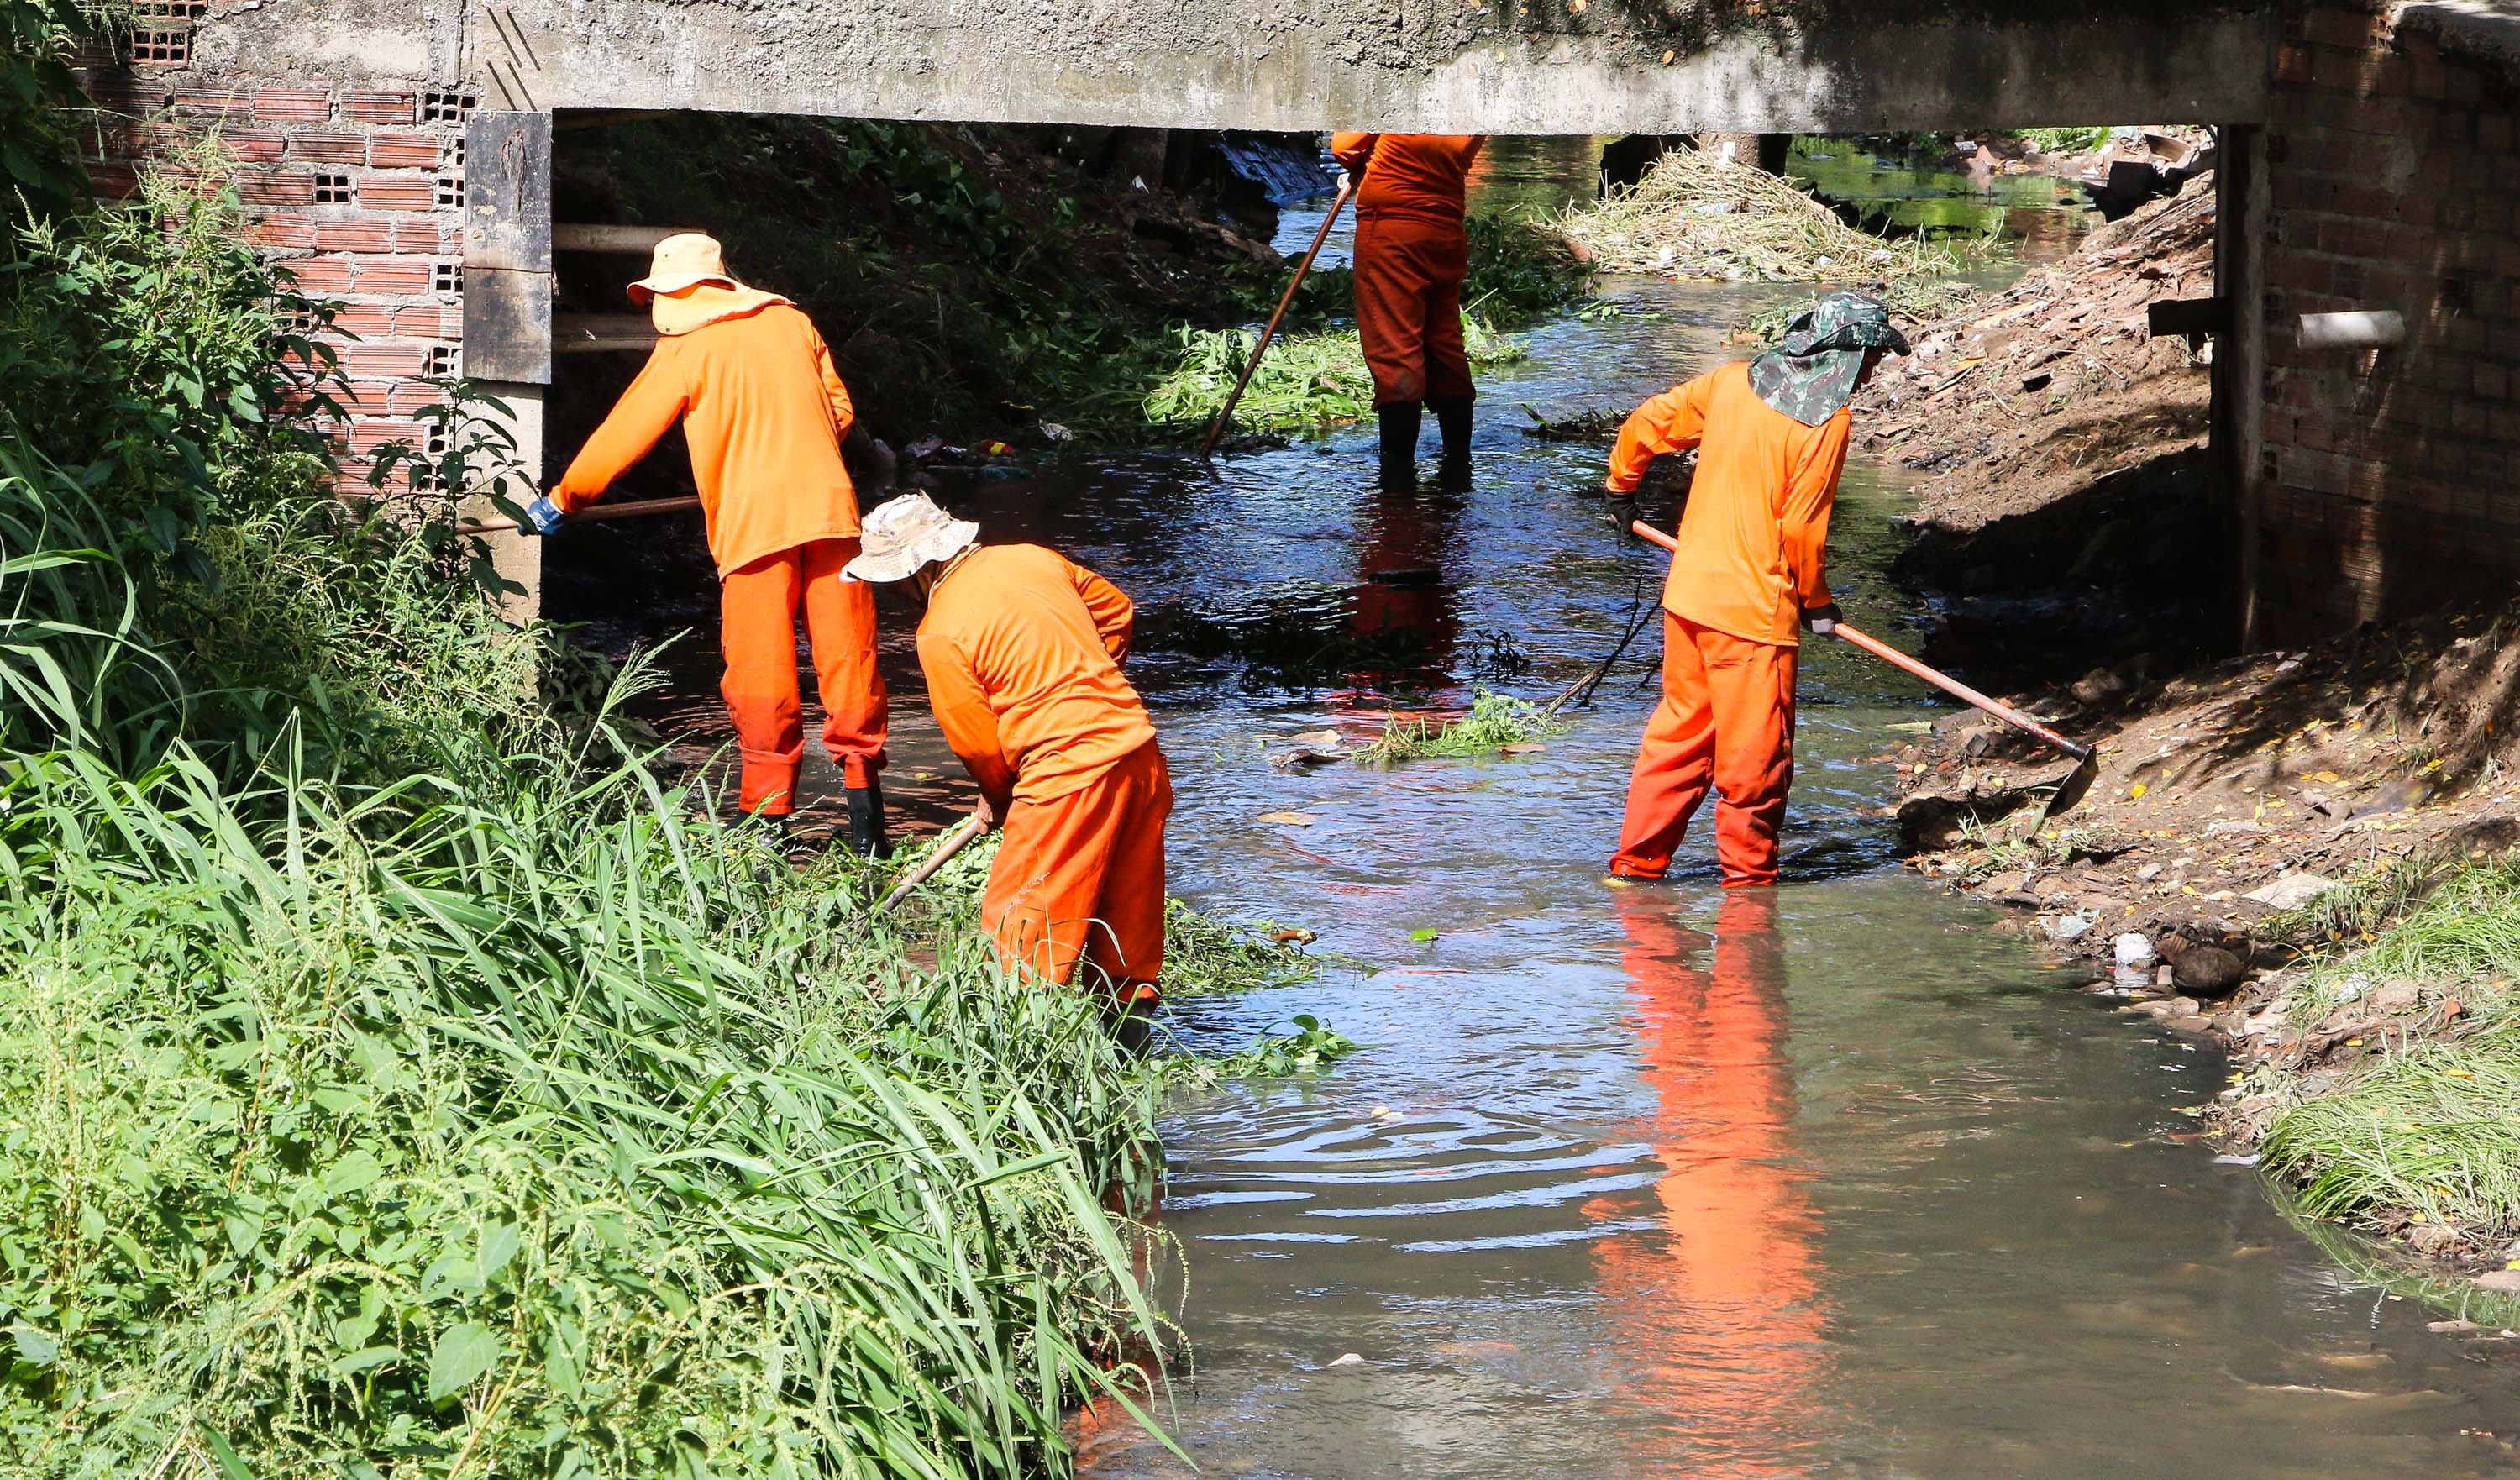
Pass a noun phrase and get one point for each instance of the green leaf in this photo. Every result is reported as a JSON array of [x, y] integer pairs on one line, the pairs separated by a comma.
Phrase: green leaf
[[225, 1453], [360, 1360], [464, 1353], [499, 1244], [35, 1345], [352, 1172], [1424, 934]]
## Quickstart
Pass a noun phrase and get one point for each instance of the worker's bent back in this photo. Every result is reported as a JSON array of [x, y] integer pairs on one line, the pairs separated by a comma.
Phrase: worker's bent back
[[1021, 649]]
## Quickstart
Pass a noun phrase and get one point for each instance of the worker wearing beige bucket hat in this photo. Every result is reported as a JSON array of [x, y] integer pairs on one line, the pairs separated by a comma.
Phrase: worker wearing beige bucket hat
[[764, 413], [1022, 652]]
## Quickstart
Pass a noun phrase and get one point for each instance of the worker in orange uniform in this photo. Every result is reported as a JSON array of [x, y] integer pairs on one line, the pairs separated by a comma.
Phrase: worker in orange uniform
[[1412, 252], [1751, 565], [764, 413], [1022, 654]]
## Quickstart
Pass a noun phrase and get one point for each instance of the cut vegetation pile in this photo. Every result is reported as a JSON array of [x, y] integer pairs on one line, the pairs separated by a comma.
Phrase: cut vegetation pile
[[1698, 214]]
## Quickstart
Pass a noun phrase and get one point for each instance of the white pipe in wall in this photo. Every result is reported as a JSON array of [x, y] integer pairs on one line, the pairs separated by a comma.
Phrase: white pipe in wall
[[2361, 329]]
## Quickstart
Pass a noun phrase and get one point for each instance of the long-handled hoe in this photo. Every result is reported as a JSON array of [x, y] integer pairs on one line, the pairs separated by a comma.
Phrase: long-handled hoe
[[962, 835], [629, 511], [1225, 412], [2068, 791]]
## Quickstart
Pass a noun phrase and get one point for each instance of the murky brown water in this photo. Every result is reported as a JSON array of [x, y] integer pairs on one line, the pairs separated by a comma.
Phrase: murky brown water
[[1829, 1180]]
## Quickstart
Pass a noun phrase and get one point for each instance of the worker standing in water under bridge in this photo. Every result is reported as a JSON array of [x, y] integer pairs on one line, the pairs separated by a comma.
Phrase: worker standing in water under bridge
[[1750, 567], [1022, 652], [1412, 254], [764, 413]]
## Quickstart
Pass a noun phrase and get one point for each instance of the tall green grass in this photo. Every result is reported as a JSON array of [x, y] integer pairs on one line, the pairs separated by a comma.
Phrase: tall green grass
[[396, 1078], [2428, 1126]]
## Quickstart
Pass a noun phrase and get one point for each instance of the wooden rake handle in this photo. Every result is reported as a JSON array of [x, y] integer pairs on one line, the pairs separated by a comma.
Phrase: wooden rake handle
[[1902, 662], [1225, 412], [962, 835]]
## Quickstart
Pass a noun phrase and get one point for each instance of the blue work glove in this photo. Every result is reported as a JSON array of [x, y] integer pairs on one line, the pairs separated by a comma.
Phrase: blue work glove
[[543, 517], [1821, 620]]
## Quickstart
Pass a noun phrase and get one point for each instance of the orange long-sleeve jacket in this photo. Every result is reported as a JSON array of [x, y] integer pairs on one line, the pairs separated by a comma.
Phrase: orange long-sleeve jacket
[[1410, 174], [1753, 549], [1022, 654], [763, 411]]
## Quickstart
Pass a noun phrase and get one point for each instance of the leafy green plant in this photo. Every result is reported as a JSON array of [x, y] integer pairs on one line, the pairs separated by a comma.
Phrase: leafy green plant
[[37, 90], [1494, 721], [1312, 1046]]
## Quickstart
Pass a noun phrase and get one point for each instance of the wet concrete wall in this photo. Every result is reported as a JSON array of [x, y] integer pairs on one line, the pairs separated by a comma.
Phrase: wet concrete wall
[[1485, 66]]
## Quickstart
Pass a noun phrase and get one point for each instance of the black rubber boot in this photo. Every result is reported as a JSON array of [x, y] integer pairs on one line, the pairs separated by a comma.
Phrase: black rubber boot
[[866, 820], [1133, 1028], [1399, 423], [1452, 417]]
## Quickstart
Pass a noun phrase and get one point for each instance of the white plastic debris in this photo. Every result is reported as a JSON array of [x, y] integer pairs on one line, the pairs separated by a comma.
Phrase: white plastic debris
[[2134, 950]]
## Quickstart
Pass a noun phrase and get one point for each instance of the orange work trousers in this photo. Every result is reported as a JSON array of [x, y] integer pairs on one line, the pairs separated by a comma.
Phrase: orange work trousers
[[1409, 272], [1725, 720], [1080, 878], [758, 606]]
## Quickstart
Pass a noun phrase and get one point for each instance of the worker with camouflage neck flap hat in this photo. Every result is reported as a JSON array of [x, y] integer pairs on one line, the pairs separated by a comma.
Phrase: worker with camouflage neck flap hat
[[1022, 652], [763, 413], [1750, 569]]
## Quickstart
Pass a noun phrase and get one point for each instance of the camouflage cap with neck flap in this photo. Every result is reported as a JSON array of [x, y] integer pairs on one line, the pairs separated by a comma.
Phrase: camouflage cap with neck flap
[[1812, 371]]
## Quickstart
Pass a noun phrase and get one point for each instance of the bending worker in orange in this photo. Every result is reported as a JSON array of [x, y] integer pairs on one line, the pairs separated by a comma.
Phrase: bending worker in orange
[[1751, 565], [764, 413], [1023, 655], [1412, 254]]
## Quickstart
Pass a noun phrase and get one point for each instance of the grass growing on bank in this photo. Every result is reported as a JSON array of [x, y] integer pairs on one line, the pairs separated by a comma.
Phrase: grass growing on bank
[[394, 1077], [2428, 1126], [1494, 722]]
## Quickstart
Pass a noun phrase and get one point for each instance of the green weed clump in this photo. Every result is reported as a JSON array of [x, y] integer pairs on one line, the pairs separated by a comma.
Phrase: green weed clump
[[2430, 1130], [1494, 722], [1307, 380]]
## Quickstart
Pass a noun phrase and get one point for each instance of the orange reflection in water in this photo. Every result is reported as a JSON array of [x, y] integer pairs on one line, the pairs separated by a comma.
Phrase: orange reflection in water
[[1714, 1319]]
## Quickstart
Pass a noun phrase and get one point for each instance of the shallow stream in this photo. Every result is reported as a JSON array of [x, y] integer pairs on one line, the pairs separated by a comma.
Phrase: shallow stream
[[1828, 1180]]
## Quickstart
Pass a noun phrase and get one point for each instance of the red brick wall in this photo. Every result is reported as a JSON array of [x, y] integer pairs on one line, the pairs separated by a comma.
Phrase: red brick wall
[[2387, 480], [355, 188]]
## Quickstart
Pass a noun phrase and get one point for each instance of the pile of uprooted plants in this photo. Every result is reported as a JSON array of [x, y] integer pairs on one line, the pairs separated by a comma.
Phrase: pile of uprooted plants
[[1703, 215], [394, 1076]]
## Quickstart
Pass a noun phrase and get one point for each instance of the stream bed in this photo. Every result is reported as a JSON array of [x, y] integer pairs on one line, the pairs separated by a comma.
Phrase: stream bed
[[1832, 1180], [1826, 1180]]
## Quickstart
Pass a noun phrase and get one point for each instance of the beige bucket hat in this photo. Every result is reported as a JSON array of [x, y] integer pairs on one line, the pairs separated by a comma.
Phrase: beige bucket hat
[[902, 534], [681, 261]]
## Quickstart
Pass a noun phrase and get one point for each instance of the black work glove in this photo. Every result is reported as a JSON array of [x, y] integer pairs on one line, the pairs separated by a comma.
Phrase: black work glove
[[1622, 510], [1821, 621]]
